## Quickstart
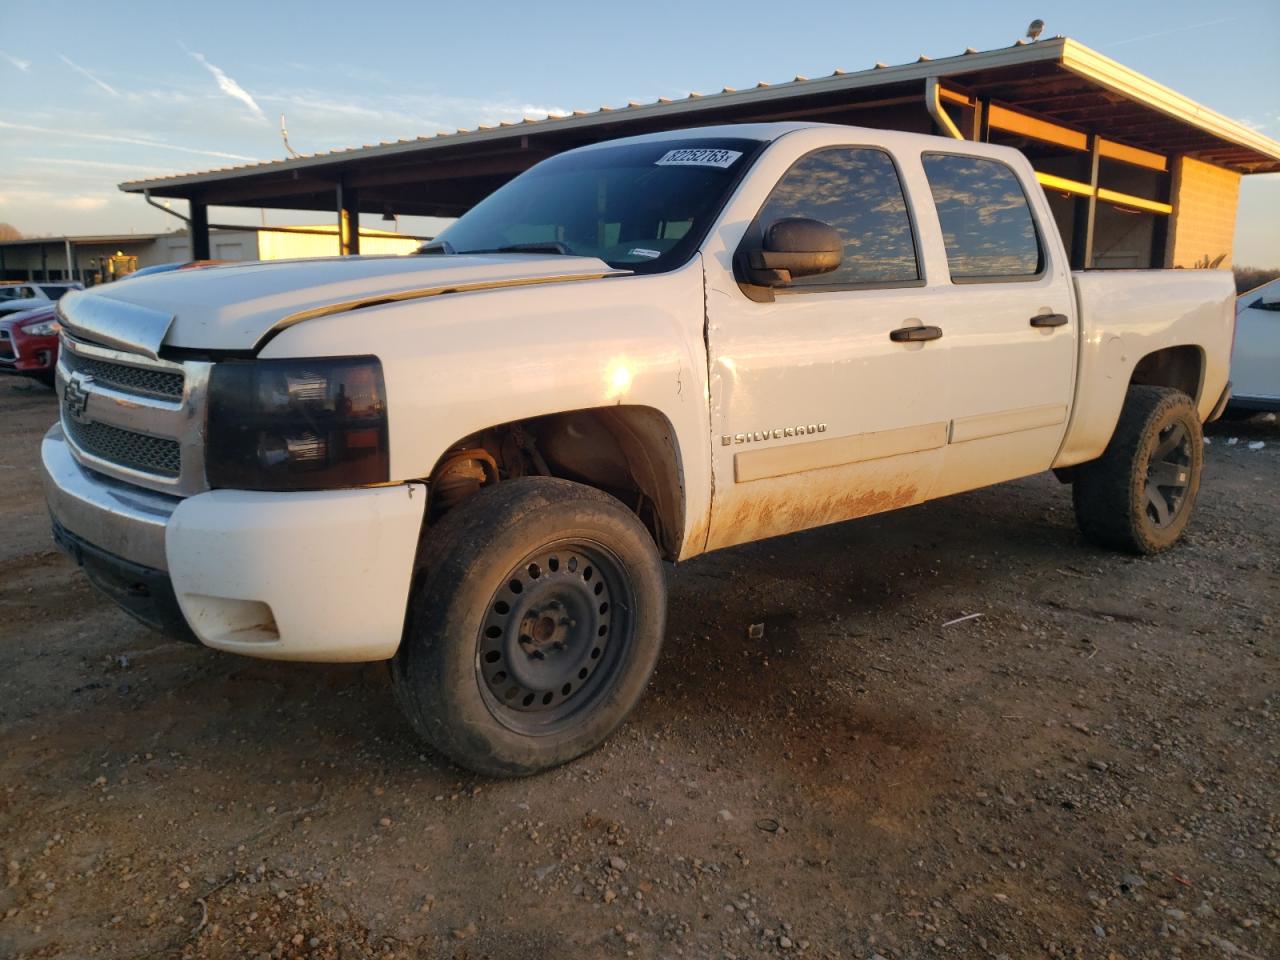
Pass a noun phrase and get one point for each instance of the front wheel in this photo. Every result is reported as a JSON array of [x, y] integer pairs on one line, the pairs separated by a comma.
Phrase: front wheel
[[1139, 495], [533, 628]]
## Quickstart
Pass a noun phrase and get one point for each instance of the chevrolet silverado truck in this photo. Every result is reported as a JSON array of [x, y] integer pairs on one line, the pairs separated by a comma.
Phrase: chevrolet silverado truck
[[473, 461]]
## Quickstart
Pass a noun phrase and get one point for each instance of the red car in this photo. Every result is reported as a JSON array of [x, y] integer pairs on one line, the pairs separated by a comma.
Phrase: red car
[[29, 344]]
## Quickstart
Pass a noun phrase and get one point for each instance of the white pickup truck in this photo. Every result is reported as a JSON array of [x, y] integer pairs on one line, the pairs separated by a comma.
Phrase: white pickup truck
[[473, 461]]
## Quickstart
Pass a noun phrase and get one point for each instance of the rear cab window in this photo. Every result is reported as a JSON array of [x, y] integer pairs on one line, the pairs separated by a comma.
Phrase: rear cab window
[[987, 225]]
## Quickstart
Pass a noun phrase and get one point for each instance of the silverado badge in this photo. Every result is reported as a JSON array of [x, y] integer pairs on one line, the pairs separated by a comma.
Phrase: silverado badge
[[755, 436]]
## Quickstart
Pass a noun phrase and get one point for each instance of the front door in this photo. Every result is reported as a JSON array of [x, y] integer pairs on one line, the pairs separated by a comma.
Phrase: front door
[[817, 414]]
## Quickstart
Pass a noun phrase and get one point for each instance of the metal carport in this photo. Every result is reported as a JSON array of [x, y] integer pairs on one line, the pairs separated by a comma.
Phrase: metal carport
[[1103, 137]]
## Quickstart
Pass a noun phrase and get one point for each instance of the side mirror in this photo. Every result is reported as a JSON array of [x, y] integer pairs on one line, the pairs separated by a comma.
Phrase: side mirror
[[795, 247]]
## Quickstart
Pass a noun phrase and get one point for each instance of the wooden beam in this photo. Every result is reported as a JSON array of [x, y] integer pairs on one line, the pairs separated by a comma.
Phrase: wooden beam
[[233, 193], [1053, 182], [463, 167], [1137, 203], [1010, 121], [952, 96], [1132, 155]]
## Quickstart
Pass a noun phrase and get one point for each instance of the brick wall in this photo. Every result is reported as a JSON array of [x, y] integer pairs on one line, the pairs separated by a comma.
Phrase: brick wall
[[1205, 199]]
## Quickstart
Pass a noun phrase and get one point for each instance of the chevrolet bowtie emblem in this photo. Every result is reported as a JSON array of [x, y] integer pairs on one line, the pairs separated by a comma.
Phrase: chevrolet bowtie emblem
[[75, 398]]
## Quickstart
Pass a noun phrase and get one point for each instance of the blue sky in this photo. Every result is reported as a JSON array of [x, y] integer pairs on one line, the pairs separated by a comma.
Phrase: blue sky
[[92, 95]]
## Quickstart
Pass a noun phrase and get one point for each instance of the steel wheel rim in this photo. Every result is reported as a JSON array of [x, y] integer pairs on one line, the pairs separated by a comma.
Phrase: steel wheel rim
[[1168, 475], [553, 635]]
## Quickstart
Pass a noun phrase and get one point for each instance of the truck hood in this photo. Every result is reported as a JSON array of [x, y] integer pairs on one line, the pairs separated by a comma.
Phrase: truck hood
[[237, 307]]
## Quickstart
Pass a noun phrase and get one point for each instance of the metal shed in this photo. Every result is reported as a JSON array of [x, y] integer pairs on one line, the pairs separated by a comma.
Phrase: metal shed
[[1137, 174]]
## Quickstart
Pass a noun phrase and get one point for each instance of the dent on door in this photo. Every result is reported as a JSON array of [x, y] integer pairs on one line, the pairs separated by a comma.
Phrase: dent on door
[[858, 437]]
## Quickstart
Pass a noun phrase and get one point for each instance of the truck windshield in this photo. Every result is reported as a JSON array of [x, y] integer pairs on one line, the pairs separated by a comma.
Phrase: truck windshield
[[640, 206]]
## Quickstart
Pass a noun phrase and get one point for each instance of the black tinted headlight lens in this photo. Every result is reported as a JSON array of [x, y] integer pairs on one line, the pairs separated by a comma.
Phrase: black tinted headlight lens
[[297, 424]]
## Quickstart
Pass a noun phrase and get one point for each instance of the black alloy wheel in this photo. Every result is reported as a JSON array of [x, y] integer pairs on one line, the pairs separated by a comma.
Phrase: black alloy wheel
[[1139, 495], [1168, 475]]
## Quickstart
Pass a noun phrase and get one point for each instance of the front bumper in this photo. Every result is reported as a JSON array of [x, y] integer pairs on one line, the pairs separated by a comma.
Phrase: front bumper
[[143, 592], [321, 575], [27, 355]]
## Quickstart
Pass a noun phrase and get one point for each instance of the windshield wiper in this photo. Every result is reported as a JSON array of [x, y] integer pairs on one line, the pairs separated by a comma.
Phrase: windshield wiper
[[537, 246], [437, 247]]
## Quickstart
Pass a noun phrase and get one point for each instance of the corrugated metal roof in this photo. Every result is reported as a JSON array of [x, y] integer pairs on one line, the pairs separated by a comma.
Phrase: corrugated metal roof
[[1064, 52], [102, 238]]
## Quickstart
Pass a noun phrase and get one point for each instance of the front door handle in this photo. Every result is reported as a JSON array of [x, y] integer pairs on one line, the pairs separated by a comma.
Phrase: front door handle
[[1050, 320], [915, 334]]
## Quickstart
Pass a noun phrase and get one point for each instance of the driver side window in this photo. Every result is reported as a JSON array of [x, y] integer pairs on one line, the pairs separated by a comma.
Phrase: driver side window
[[857, 191]]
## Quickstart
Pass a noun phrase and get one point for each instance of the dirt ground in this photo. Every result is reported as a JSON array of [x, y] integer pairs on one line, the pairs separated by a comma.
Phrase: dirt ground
[[1089, 768]]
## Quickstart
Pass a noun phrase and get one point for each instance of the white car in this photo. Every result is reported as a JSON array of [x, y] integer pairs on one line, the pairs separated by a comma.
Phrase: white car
[[1255, 358], [472, 462], [16, 297]]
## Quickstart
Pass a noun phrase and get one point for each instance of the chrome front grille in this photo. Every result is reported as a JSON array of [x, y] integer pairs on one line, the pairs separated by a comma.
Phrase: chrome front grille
[[147, 382], [134, 450], [134, 418]]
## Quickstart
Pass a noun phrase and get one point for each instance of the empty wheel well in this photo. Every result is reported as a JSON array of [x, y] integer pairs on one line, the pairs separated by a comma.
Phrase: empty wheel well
[[1179, 367], [628, 452]]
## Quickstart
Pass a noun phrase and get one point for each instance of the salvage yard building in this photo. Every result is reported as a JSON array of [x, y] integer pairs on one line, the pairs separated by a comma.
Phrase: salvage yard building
[[1137, 174]]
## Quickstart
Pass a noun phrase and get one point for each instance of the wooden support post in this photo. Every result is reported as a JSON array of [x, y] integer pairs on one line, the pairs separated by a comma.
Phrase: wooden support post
[[1086, 213], [198, 225], [348, 220]]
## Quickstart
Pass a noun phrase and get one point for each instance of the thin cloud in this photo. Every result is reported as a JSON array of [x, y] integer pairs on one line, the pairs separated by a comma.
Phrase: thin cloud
[[1165, 33], [61, 200], [94, 165], [228, 85], [137, 141], [23, 65], [81, 202], [83, 72]]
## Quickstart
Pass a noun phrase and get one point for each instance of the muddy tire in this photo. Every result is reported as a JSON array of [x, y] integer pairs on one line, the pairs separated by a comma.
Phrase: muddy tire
[[1139, 495], [534, 624]]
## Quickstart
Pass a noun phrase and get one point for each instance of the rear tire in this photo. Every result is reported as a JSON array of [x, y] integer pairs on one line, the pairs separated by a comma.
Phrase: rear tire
[[1139, 495], [534, 625]]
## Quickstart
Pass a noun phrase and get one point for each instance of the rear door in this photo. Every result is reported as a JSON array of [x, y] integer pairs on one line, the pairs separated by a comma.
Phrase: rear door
[[1009, 318]]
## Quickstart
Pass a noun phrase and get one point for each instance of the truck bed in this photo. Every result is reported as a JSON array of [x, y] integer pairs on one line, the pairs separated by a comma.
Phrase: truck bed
[[1129, 315]]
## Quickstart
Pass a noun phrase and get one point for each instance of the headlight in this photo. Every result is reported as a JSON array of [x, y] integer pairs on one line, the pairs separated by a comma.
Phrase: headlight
[[44, 328], [297, 424]]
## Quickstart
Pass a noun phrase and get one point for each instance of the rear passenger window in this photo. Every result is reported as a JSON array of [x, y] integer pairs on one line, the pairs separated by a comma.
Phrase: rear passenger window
[[857, 191], [986, 219]]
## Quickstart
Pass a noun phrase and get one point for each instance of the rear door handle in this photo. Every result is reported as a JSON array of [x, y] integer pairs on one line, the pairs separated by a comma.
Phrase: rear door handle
[[915, 334], [1050, 320]]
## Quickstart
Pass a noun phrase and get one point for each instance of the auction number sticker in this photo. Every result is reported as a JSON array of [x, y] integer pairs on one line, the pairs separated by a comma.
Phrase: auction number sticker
[[699, 157]]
